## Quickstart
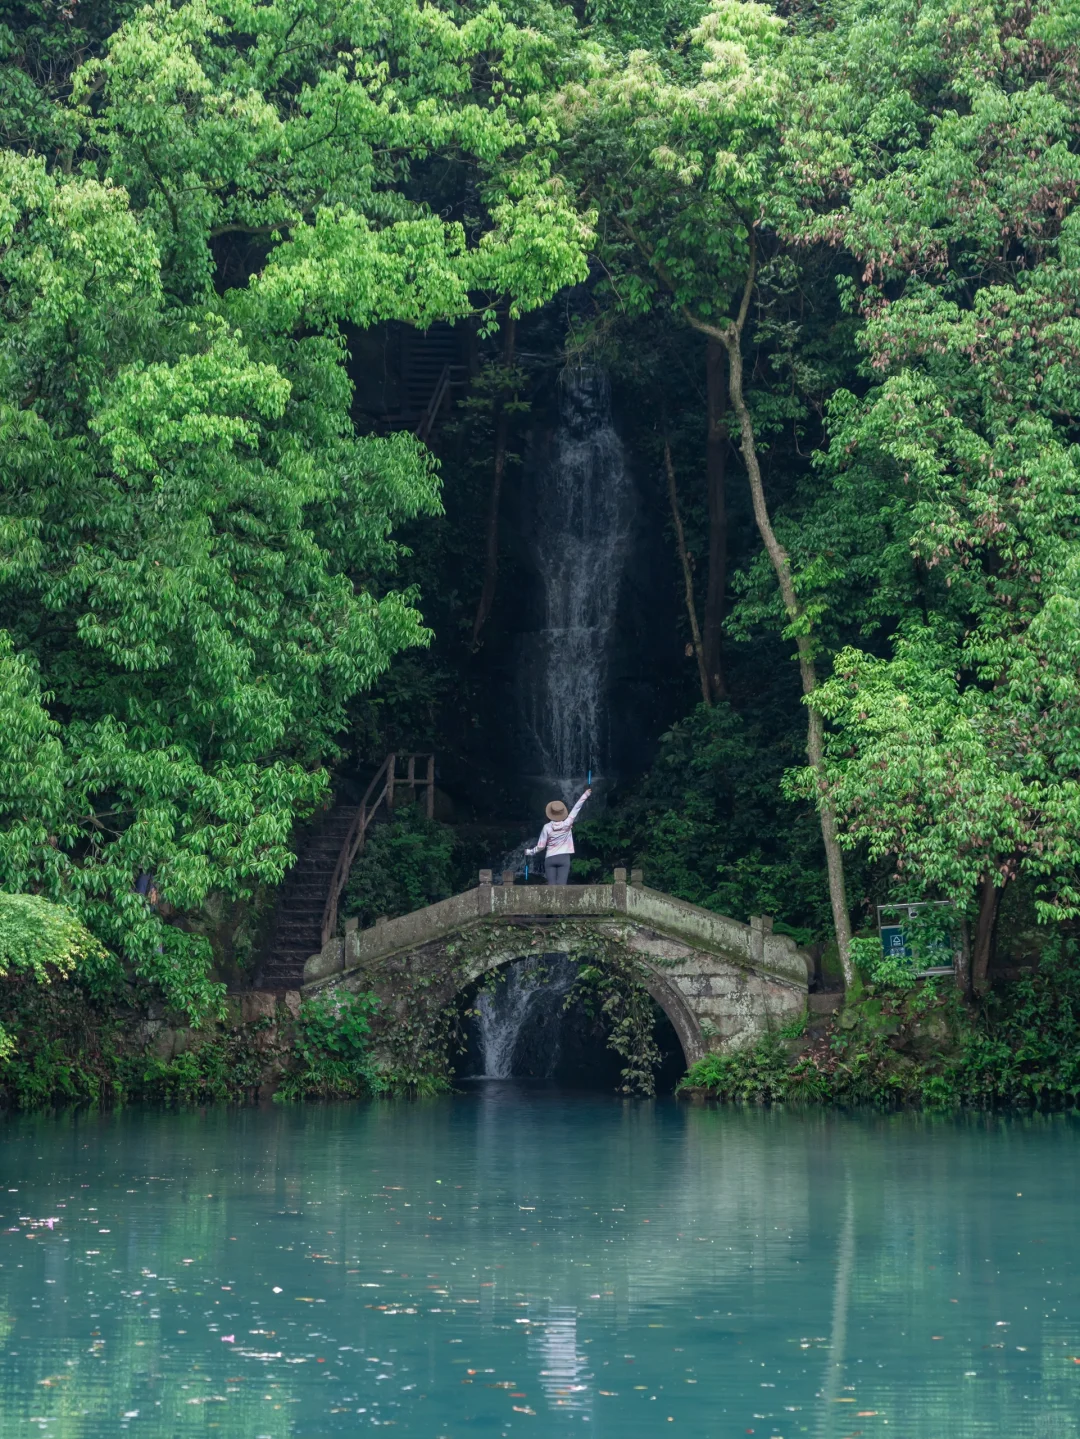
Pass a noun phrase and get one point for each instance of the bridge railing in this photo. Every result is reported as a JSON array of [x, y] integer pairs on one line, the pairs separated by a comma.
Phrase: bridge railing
[[752, 945]]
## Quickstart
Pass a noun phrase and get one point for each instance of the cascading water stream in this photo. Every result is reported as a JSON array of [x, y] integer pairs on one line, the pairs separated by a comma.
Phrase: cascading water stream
[[581, 533], [580, 526], [530, 996]]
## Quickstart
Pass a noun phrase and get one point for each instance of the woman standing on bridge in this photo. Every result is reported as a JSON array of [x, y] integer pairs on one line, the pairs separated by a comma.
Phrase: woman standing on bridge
[[557, 837]]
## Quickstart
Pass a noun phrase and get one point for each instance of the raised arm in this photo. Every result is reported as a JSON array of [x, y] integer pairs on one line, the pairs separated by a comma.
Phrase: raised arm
[[572, 816]]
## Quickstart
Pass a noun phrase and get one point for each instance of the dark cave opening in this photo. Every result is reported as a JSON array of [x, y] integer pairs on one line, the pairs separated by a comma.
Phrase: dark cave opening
[[529, 1021]]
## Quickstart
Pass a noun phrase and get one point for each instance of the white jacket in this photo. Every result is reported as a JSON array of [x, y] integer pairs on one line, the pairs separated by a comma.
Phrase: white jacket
[[557, 836]]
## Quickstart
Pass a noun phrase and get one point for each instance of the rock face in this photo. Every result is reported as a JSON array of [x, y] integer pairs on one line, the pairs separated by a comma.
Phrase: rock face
[[720, 982], [578, 666]]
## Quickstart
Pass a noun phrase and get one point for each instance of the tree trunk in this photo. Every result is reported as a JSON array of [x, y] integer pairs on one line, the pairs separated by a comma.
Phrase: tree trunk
[[716, 446], [688, 578], [963, 968], [491, 550], [982, 947], [731, 338]]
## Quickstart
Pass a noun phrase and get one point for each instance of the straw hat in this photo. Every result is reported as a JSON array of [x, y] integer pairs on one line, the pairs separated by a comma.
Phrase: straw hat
[[556, 810]]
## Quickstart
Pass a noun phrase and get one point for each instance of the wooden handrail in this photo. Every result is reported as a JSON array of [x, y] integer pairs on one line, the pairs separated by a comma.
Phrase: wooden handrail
[[353, 843], [434, 405]]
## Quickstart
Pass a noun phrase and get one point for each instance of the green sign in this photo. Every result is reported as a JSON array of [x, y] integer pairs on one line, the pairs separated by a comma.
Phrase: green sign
[[939, 954], [894, 945]]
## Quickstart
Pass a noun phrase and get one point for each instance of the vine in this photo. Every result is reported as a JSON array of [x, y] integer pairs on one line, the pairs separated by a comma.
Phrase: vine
[[414, 1032]]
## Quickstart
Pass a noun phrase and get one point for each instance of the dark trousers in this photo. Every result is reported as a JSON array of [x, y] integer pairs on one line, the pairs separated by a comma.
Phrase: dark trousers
[[557, 869]]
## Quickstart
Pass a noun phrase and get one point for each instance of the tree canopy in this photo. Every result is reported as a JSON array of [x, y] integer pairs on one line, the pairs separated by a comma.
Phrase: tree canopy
[[197, 558], [863, 216]]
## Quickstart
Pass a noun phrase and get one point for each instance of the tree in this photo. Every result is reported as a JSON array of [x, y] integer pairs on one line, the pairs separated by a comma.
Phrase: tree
[[680, 155], [40, 941], [196, 552], [945, 160]]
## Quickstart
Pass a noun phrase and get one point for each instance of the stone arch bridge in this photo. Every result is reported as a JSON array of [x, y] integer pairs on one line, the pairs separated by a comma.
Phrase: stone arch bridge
[[720, 982]]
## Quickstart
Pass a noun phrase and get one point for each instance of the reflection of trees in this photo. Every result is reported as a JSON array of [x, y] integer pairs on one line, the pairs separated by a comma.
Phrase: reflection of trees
[[89, 1373], [930, 1196], [712, 1173]]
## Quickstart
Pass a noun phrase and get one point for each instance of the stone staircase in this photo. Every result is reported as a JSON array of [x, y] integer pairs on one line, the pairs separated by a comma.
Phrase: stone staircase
[[298, 916], [306, 913]]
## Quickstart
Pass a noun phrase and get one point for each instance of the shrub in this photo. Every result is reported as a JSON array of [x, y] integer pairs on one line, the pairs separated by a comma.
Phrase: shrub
[[406, 864], [333, 1048], [220, 1067]]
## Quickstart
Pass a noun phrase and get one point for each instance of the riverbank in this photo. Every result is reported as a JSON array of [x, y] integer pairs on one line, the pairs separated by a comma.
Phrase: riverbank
[[920, 1048]]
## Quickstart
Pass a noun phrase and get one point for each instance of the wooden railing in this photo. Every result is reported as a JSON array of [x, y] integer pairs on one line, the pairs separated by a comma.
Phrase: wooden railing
[[438, 398], [381, 790]]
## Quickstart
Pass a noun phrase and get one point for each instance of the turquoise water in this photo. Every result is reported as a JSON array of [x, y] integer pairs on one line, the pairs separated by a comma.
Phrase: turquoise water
[[517, 1262]]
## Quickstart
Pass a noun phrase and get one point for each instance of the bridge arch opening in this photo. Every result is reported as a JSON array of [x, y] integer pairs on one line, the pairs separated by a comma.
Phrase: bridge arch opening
[[530, 1017]]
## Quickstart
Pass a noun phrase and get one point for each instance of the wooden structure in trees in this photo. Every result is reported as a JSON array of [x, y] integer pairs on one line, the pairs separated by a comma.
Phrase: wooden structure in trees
[[306, 911], [381, 790]]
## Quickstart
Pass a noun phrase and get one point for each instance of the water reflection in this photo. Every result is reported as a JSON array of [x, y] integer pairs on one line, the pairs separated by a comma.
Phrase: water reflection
[[834, 1365], [515, 1262]]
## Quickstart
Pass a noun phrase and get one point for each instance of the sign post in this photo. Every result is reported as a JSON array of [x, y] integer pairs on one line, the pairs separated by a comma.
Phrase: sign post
[[895, 925]]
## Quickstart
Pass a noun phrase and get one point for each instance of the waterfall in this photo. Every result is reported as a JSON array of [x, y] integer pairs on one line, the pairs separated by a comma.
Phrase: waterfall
[[580, 539], [529, 993]]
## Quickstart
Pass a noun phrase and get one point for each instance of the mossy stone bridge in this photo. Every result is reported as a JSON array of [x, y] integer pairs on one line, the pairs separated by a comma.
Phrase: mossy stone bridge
[[720, 982]]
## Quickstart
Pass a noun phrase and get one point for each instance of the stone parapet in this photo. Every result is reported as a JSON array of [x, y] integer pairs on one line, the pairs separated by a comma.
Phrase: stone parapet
[[751, 945]]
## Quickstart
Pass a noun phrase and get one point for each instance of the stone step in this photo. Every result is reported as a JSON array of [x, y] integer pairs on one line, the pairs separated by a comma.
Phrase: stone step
[[302, 901], [827, 1002]]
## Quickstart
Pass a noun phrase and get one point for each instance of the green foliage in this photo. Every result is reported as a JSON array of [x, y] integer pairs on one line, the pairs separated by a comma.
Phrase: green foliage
[[1026, 1049], [407, 863], [944, 165], [63, 1048], [761, 1073], [675, 148], [610, 987], [333, 1058], [955, 780], [891, 971], [921, 1046], [218, 1067], [709, 824], [40, 941], [201, 557], [794, 1028], [633, 25], [931, 933], [196, 562]]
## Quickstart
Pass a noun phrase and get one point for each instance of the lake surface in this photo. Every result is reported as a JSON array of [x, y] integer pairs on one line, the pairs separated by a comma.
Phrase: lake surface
[[516, 1262]]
